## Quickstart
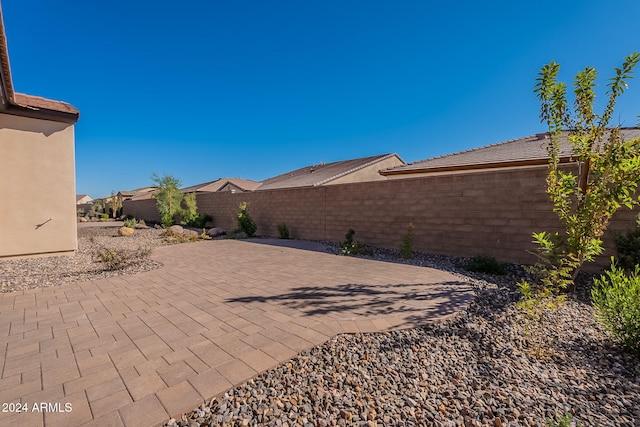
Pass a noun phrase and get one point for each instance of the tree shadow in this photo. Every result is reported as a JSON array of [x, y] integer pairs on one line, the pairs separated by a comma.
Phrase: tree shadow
[[417, 303]]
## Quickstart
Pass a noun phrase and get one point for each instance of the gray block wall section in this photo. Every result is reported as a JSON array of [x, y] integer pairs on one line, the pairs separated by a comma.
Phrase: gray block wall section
[[465, 214]]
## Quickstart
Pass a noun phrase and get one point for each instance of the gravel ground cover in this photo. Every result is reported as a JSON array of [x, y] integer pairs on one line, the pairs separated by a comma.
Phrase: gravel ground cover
[[29, 273], [488, 366]]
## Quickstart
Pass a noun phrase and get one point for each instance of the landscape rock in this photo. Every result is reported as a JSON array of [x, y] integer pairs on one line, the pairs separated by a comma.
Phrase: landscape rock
[[216, 232], [141, 224], [176, 229], [82, 219], [126, 231]]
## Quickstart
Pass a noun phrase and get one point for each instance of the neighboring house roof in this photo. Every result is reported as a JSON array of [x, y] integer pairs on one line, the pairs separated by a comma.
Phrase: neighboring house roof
[[83, 198], [223, 184], [315, 175], [128, 194], [527, 151], [26, 105]]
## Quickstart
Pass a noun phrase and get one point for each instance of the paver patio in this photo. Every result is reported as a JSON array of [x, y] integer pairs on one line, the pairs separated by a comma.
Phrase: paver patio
[[136, 350]]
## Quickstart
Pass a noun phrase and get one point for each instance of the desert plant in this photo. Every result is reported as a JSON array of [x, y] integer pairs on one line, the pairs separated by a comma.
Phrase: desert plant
[[607, 178], [200, 221], [616, 297], [485, 264], [115, 204], [168, 198], [97, 208], [283, 231], [564, 421], [104, 217], [171, 237], [130, 222], [350, 247], [189, 208], [118, 259], [246, 224], [406, 250]]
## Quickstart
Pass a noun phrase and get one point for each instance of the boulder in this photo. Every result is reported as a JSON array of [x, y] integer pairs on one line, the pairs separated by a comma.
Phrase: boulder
[[176, 229], [82, 219], [126, 231], [216, 232]]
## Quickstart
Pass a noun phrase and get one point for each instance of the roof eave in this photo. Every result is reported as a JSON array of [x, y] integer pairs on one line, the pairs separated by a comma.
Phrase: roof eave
[[473, 167], [41, 113]]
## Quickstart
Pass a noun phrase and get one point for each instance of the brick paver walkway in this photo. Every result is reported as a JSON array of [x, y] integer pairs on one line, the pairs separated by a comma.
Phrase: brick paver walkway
[[136, 350]]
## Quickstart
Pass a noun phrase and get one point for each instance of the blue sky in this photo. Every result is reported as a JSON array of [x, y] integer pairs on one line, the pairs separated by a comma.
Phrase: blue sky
[[202, 89]]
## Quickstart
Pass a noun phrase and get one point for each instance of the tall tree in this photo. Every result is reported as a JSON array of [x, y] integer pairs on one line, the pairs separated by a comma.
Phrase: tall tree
[[608, 169]]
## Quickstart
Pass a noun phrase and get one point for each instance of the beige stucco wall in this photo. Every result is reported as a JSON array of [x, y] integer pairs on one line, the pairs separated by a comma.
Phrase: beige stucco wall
[[37, 183], [370, 173]]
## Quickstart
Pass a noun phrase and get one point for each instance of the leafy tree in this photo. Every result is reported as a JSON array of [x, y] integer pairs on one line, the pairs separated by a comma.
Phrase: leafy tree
[[608, 171], [168, 198]]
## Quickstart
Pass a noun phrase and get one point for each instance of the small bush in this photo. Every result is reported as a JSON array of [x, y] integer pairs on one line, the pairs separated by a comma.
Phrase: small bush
[[628, 247], [246, 224], [118, 259], [406, 250], [485, 264], [616, 297], [565, 421], [283, 231], [348, 247], [104, 217], [199, 221], [130, 222]]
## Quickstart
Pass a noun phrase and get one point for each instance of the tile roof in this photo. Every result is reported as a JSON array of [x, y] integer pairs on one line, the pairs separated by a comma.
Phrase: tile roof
[[315, 175], [220, 183], [27, 105], [530, 150], [142, 191]]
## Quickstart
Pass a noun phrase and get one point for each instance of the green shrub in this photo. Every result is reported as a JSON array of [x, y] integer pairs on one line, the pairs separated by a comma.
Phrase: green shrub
[[565, 421], [348, 247], [200, 221], [406, 250], [104, 217], [283, 231], [616, 297], [628, 247], [168, 198], [130, 222], [117, 259], [188, 208], [485, 264], [245, 222]]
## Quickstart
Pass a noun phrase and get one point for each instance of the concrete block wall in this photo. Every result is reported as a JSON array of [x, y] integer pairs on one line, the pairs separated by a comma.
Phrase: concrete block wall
[[466, 214]]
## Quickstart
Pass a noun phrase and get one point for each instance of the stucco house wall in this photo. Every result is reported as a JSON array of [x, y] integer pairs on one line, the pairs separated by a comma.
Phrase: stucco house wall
[[38, 209]]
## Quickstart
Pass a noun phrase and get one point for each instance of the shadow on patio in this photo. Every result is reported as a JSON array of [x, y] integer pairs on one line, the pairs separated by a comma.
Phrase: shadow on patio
[[416, 303]]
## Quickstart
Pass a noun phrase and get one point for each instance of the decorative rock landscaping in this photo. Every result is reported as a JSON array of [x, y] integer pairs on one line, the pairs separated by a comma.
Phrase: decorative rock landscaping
[[489, 366]]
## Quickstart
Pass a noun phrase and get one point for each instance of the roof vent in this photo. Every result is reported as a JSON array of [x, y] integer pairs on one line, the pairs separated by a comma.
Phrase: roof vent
[[541, 136]]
